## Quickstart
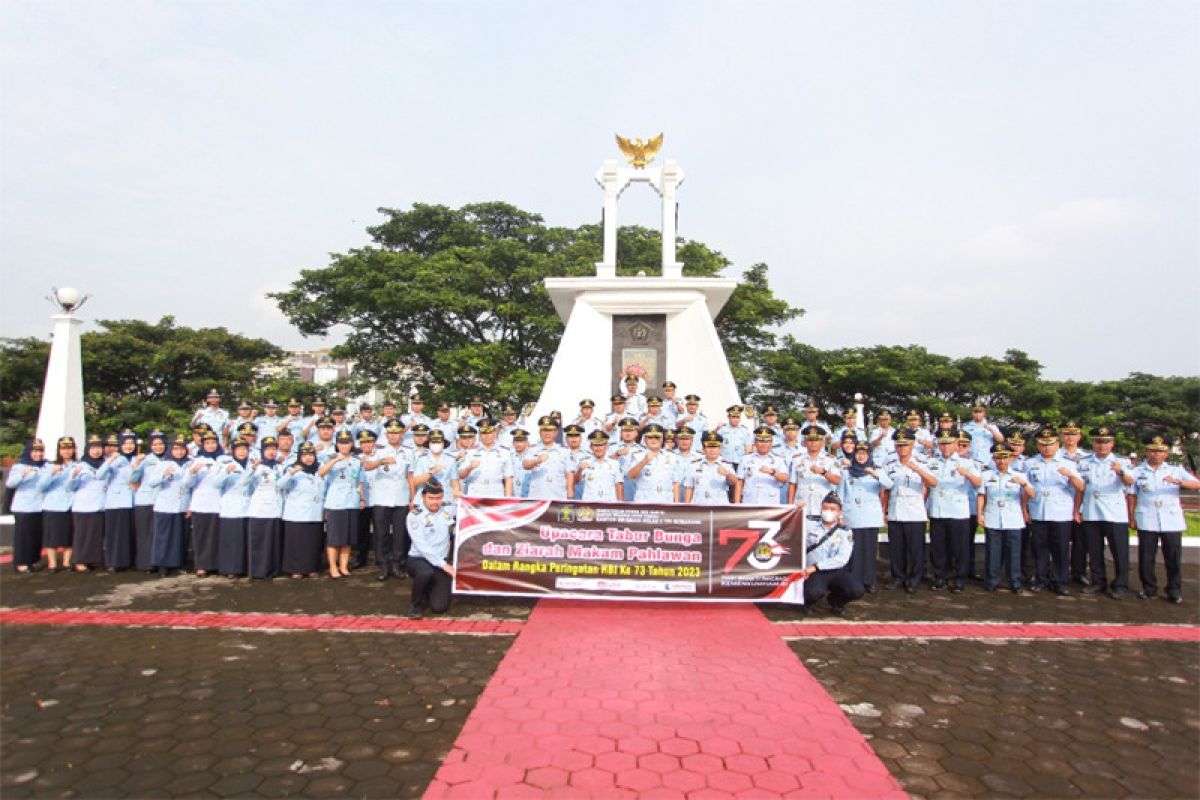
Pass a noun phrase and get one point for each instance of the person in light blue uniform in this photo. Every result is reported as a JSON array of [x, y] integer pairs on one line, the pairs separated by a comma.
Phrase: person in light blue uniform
[[389, 478], [27, 506], [672, 407], [344, 501], [435, 464], [119, 452], [576, 452], [443, 423], [951, 514], [861, 490], [366, 421], [983, 434], [416, 416], [144, 495], [520, 446], [340, 421], [54, 484], [635, 400], [999, 509], [770, 419], [762, 473], [814, 473], [880, 438], [906, 514], [598, 475], [654, 415], [309, 433], [508, 424], [736, 441], [294, 421], [212, 414], [264, 519], [235, 485], [627, 451], [269, 423], [551, 475], [205, 504], [710, 481], [1158, 516], [850, 425], [486, 471], [169, 551], [1103, 509], [828, 548], [964, 452], [654, 471], [687, 455], [1051, 511], [430, 526], [87, 507], [323, 442], [304, 514], [242, 424]]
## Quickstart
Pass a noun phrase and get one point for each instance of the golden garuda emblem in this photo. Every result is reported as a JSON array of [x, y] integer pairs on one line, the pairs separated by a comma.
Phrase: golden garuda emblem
[[637, 152]]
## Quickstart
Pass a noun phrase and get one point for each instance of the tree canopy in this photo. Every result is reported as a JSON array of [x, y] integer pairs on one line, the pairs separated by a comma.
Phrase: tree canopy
[[142, 375], [452, 300]]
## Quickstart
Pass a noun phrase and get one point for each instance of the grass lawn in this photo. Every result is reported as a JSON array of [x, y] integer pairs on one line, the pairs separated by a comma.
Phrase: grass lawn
[[1193, 524]]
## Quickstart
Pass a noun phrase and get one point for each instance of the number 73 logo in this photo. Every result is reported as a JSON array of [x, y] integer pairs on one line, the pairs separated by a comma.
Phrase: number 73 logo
[[758, 546]]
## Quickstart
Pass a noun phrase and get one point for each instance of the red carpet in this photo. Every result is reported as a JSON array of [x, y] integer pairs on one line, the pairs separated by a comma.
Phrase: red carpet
[[656, 700]]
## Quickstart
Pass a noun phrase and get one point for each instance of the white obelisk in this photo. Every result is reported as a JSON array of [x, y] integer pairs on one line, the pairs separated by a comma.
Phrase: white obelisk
[[62, 397]]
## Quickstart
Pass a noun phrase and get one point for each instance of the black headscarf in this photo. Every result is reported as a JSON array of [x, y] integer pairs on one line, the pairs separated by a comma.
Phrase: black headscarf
[[95, 462], [241, 462], [311, 469], [27, 455], [269, 462], [856, 469], [215, 454], [167, 456]]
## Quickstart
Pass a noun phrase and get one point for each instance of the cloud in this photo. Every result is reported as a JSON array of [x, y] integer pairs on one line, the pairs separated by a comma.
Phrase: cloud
[[1063, 233]]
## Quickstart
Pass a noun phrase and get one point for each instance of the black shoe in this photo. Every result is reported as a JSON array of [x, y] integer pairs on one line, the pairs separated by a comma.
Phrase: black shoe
[[415, 612], [1061, 591], [1091, 588], [938, 585], [872, 589], [1145, 595], [958, 588], [892, 585], [1175, 599], [1035, 587], [383, 574], [992, 587], [1115, 594], [163, 572], [911, 588], [1081, 580], [838, 610], [1015, 588]]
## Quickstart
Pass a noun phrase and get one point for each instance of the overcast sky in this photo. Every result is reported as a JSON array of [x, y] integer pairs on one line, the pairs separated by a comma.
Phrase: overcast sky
[[966, 176]]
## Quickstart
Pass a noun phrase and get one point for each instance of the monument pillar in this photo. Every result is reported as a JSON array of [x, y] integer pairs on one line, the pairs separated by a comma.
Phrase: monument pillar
[[662, 324], [61, 412]]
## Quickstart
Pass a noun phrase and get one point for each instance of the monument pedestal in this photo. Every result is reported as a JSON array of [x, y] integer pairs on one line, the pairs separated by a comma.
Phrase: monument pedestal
[[663, 324], [62, 397]]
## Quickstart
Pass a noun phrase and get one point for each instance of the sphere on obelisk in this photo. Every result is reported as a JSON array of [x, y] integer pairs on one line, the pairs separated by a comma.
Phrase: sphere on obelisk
[[62, 396]]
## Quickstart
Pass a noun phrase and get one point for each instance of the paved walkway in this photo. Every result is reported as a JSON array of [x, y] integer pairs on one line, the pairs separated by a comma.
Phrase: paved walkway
[[656, 700]]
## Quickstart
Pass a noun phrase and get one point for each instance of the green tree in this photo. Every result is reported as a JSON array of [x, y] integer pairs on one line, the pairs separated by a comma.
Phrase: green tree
[[138, 374], [452, 300]]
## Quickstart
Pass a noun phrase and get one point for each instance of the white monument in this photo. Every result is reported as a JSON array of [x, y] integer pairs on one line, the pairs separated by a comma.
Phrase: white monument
[[661, 325], [62, 397]]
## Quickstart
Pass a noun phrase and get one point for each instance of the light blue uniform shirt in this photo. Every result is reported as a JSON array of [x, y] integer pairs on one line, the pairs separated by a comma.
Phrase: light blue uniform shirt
[[834, 552], [861, 503], [24, 479], [1055, 498], [388, 483], [173, 487], [371, 425], [982, 439], [886, 447], [117, 472], [235, 489], [548, 480], [216, 419], [633, 454], [409, 419], [206, 483], [145, 494], [57, 492], [684, 462], [1104, 493], [342, 482], [953, 496], [811, 487], [1002, 503], [487, 479], [709, 487], [1158, 508], [266, 498], [89, 489], [906, 498], [303, 497], [600, 478], [698, 423], [520, 474], [267, 426], [430, 534], [734, 441], [656, 481], [760, 488], [444, 469]]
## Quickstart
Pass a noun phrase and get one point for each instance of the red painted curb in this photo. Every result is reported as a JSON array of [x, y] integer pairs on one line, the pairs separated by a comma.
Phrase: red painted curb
[[653, 699], [275, 622], [986, 630]]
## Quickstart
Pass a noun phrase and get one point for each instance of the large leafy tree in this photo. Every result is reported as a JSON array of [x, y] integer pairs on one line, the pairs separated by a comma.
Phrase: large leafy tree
[[452, 300], [140, 374]]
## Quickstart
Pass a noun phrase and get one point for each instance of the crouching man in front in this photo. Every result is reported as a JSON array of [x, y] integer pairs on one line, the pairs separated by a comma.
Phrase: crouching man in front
[[429, 527], [828, 545]]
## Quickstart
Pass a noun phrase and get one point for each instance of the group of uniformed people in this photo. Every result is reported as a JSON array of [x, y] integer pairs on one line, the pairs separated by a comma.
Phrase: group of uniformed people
[[269, 494]]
